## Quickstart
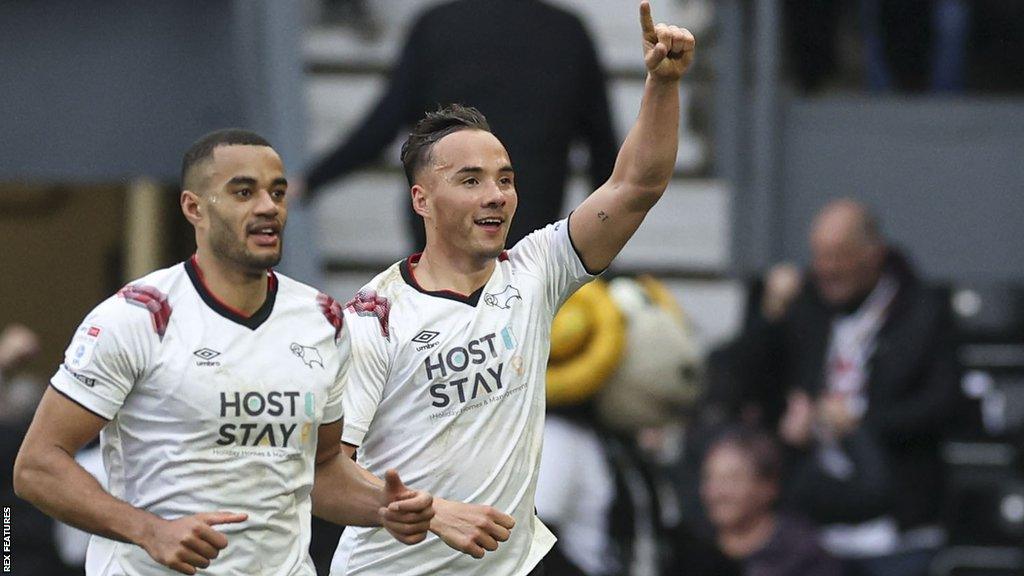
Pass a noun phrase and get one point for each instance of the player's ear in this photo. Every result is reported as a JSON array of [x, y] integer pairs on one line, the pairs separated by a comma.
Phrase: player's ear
[[419, 200], [190, 206]]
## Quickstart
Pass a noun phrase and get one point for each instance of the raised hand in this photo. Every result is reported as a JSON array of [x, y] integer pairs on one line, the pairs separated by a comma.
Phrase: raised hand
[[188, 543], [473, 529], [668, 50], [405, 513]]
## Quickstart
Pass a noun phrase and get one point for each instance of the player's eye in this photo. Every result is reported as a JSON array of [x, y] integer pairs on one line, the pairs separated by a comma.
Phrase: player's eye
[[470, 182], [243, 192], [278, 194], [505, 181]]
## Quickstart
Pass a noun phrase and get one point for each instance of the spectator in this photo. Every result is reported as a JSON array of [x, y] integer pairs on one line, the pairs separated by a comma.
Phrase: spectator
[[34, 540], [740, 487], [868, 348], [529, 67]]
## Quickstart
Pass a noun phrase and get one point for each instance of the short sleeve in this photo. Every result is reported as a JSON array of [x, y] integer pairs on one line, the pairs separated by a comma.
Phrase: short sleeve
[[550, 253], [107, 355], [364, 377], [334, 408]]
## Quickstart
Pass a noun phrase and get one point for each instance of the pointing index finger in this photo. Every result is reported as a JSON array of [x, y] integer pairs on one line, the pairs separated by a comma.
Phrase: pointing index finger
[[647, 22]]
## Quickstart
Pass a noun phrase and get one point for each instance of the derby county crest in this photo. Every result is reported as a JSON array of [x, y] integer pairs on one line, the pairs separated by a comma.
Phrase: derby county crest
[[307, 354], [504, 298]]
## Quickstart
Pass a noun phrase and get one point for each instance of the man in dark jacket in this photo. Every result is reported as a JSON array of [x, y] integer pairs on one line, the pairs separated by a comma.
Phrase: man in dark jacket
[[859, 358], [530, 67]]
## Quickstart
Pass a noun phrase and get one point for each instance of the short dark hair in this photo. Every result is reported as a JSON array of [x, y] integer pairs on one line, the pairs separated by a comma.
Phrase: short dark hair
[[202, 149], [760, 448], [434, 126]]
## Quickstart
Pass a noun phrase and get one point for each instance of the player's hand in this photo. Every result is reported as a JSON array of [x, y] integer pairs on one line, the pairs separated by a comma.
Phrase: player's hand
[[473, 529], [668, 50], [188, 543], [406, 513]]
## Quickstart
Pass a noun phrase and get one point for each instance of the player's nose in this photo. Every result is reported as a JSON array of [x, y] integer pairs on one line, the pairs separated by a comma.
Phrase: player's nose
[[265, 204], [494, 196]]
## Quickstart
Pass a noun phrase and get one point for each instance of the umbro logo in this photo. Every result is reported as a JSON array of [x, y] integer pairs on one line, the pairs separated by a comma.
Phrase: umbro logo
[[426, 338], [206, 353], [206, 356]]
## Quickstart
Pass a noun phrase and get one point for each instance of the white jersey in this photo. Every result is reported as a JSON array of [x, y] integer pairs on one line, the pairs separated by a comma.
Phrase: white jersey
[[449, 391], [210, 410]]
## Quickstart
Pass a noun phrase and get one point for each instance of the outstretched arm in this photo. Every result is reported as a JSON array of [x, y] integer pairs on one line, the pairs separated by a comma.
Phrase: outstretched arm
[[606, 220], [47, 475]]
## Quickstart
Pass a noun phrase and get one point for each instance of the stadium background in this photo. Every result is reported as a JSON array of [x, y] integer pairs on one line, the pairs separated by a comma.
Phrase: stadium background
[[99, 101]]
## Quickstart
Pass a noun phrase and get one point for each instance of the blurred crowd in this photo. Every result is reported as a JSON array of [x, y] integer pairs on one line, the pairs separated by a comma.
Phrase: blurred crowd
[[814, 446]]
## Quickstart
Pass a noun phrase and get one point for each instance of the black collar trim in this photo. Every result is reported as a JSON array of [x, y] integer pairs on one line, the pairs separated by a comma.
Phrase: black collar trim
[[251, 322], [410, 278]]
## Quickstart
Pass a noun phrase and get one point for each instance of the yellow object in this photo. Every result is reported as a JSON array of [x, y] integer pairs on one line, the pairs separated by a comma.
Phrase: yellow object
[[661, 297], [588, 337], [570, 330]]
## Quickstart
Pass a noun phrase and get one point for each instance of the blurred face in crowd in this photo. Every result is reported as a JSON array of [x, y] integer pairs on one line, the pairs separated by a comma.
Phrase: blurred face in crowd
[[468, 195], [242, 207], [847, 257], [733, 493]]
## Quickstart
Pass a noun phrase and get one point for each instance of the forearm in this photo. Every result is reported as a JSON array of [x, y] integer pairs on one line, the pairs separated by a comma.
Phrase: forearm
[[346, 493], [56, 484], [648, 155], [332, 501]]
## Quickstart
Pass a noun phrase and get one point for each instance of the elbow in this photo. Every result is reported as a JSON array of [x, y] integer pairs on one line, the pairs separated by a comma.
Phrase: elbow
[[25, 473], [645, 197]]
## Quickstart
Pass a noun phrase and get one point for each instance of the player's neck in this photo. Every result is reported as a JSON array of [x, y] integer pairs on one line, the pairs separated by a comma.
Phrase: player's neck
[[437, 270], [242, 289]]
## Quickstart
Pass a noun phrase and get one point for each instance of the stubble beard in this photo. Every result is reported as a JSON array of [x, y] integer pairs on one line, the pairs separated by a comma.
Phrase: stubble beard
[[224, 244]]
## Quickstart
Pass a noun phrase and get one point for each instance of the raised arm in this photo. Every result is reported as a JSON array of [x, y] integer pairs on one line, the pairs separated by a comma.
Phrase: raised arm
[[47, 475], [606, 220]]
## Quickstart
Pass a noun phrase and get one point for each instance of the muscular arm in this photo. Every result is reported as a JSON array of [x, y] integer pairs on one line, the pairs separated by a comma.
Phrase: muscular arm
[[45, 470], [605, 221], [46, 467], [345, 493], [472, 529]]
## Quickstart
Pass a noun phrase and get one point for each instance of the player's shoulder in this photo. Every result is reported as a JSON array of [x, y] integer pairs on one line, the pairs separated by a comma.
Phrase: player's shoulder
[[144, 304], [372, 304], [537, 241], [388, 282], [321, 307], [289, 288]]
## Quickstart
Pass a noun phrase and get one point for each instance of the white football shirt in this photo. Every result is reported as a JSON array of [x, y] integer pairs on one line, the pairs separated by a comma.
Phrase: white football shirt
[[449, 390], [210, 410]]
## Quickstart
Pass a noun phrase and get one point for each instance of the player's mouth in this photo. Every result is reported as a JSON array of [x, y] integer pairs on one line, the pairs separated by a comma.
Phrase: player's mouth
[[491, 223], [266, 235]]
